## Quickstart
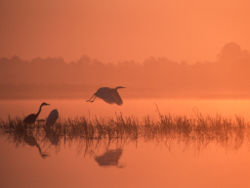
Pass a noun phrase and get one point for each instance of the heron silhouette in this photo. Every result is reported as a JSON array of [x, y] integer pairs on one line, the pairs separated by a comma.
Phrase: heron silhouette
[[109, 95], [30, 119], [51, 133], [52, 118]]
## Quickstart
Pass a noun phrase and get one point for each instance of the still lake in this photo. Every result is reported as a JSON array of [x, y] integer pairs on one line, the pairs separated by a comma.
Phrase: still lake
[[136, 107], [156, 162]]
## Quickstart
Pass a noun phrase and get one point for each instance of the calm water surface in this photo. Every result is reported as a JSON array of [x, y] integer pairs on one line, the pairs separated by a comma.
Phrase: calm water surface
[[137, 107], [142, 164], [125, 163]]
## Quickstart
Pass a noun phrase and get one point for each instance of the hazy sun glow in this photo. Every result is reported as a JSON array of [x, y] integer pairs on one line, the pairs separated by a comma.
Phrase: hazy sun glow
[[122, 30]]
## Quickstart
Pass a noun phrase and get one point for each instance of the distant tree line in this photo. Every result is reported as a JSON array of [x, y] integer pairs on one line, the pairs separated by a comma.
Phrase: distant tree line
[[228, 76]]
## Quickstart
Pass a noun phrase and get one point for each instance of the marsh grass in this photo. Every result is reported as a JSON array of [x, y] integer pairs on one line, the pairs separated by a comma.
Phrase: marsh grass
[[89, 133]]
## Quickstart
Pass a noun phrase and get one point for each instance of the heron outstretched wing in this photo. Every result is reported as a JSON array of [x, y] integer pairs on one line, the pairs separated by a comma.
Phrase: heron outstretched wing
[[107, 98], [112, 97], [105, 94], [109, 95], [117, 98]]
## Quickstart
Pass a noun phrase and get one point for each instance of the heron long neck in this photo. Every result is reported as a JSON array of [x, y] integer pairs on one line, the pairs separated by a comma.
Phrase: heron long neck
[[118, 87], [39, 111]]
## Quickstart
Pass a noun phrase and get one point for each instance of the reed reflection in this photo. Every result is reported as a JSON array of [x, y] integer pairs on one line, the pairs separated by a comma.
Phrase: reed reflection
[[19, 133], [91, 135], [30, 140]]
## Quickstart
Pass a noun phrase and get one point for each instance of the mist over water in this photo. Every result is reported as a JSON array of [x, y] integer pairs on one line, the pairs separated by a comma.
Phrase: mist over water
[[225, 78], [118, 156], [145, 164], [139, 108], [123, 155], [177, 122]]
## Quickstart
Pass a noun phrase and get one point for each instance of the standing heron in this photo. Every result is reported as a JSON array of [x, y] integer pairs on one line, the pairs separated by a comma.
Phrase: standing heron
[[52, 133], [30, 119], [51, 120], [109, 95]]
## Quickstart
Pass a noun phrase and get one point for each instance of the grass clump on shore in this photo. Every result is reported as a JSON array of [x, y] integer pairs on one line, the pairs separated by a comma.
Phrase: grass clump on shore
[[197, 129]]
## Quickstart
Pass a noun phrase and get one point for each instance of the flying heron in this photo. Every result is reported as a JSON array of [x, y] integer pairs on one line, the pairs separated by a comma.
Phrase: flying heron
[[109, 95], [30, 119]]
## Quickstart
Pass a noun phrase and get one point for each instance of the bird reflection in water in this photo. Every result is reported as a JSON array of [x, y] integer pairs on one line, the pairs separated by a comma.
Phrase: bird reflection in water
[[50, 132], [110, 158], [20, 133], [92, 135], [31, 141]]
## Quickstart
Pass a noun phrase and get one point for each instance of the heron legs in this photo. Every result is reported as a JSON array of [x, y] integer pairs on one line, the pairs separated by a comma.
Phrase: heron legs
[[91, 99]]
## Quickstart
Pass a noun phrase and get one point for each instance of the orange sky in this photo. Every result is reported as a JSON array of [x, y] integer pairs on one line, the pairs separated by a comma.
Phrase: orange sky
[[117, 30]]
